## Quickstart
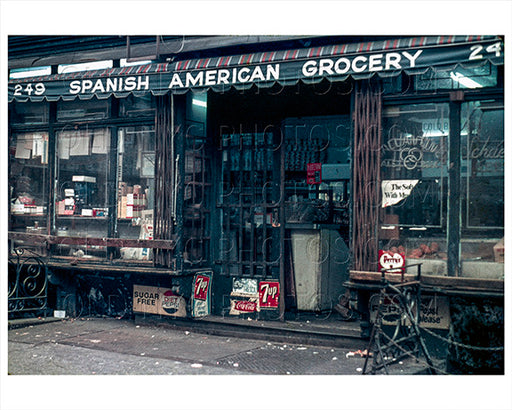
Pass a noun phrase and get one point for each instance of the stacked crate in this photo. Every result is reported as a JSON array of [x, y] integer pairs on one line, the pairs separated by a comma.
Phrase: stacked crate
[[131, 201]]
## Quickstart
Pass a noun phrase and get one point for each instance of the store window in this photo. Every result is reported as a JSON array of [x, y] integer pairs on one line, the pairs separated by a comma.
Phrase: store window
[[136, 187], [28, 181], [81, 190], [29, 113], [482, 185], [459, 77], [414, 183], [317, 169], [132, 106], [82, 110]]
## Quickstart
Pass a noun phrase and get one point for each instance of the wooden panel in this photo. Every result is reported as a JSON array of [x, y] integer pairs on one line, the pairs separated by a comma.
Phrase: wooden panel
[[113, 242], [436, 281]]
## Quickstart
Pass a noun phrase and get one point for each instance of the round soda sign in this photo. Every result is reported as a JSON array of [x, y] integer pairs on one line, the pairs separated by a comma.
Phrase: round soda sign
[[391, 262]]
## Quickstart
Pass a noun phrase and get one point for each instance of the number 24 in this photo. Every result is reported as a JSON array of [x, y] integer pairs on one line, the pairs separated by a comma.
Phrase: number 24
[[477, 49]]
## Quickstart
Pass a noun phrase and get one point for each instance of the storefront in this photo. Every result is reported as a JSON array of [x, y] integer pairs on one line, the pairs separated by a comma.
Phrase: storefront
[[253, 184]]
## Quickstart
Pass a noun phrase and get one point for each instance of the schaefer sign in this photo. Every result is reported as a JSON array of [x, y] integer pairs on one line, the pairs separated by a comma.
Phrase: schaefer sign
[[335, 62]]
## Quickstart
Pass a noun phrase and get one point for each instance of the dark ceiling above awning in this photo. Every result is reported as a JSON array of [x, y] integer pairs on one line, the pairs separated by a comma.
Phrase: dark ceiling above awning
[[336, 62]]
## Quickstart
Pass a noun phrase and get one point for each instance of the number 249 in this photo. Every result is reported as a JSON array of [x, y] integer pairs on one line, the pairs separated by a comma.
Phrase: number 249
[[37, 89]]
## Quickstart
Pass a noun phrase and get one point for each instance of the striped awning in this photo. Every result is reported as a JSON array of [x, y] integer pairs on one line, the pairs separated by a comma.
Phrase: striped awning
[[337, 62]]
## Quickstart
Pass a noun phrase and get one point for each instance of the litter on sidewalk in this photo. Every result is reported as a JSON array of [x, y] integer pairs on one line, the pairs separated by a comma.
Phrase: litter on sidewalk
[[362, 353]]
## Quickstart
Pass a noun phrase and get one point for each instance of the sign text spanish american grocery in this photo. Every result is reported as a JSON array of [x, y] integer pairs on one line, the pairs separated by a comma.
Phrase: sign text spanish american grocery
[[262, 69]]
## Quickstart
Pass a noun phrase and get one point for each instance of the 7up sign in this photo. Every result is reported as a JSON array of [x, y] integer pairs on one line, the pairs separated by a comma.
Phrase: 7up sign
[[269, 294]]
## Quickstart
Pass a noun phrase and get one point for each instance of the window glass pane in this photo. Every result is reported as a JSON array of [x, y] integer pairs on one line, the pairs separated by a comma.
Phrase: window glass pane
[[413, 179], [81, 192], [28, 173], [29, 113], [483, 184], [82, 110], [458, 78], [136, 179], [392, 85], [132, 106], [29, 72], [93, 65]]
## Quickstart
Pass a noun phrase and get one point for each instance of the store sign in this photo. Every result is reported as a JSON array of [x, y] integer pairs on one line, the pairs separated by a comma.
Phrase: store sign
[[269, 294], [314, 174], [244, 287], [434, 311], [156, 300], [394, 191], [391, 310], [201, 303], [244, 296], [245, 305], [391, 262], [265, 68], [413, 152]]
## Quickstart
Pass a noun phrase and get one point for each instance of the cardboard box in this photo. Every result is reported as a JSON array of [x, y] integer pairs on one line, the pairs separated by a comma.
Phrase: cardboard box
[[60, 207], [99, 212], [123, 188], [129, 211], [121, 207], [86, 212], [499, 251]]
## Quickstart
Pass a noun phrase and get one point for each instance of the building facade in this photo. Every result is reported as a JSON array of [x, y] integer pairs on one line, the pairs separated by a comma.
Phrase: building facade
[[251, 179]]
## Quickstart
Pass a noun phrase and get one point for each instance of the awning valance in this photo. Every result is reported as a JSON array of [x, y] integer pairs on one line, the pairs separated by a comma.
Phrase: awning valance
[[386, 57]]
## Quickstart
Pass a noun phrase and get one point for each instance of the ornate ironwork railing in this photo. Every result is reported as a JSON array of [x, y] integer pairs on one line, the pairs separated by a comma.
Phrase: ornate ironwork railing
[[28, 282]]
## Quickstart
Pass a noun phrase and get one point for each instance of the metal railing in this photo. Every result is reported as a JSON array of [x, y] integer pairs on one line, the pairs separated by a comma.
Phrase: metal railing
[[28, 282]]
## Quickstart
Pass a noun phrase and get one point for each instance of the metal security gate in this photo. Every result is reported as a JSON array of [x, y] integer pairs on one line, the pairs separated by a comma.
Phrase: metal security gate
[[366, 175], [250, 206], [195, 196]]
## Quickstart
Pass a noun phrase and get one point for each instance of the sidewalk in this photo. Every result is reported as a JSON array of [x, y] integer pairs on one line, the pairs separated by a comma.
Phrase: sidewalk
[[110, 346], [307, 328]]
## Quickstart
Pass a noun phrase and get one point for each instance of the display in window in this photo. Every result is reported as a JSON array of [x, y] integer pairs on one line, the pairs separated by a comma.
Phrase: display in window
[[132, 201], [27, 174], [83, 164], [394, 191], [317, 169], [135, 202]]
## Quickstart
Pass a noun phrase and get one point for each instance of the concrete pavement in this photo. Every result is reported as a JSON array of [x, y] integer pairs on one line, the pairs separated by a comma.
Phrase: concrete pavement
[[232, 370], [121, 347]]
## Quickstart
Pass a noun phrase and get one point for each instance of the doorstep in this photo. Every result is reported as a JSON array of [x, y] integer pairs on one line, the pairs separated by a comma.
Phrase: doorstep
[[308, 329]]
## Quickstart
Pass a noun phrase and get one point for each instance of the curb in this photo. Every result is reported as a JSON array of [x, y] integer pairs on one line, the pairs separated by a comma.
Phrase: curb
[[252, 331], [21, 323]]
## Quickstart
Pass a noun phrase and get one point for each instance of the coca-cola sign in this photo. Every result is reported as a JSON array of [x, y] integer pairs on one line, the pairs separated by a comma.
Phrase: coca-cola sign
[[239, 306], [245, 306]]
